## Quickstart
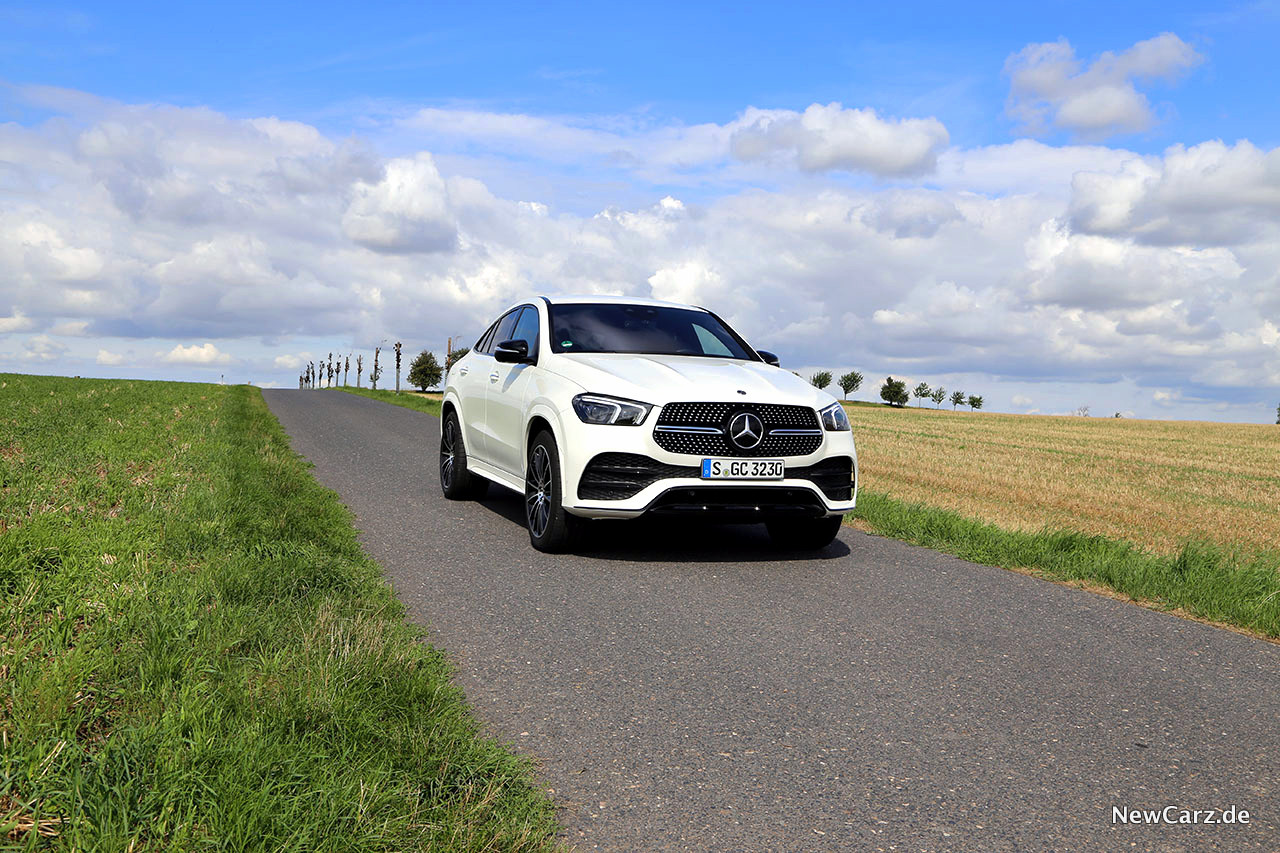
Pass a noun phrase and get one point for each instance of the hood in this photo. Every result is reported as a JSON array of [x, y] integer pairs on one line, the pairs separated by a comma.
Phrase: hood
[[662, 379]]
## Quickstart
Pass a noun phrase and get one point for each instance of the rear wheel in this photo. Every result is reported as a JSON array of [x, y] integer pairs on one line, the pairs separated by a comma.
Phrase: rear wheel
[[804, 534], [456, 482], [551, 528]]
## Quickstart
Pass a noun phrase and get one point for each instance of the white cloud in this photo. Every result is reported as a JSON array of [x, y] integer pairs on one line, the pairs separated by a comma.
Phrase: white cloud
[[822, 138], [829, 137], [108, 357], [15, 322], [203, 354], [1051, 89], [1210, 193], [406, 211], [43, 348], [291, 362], [1021, 401]]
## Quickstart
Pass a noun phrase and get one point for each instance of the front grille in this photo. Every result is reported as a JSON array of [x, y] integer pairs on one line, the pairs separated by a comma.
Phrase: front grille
[[833, 476], [617, 476], [717, 415]]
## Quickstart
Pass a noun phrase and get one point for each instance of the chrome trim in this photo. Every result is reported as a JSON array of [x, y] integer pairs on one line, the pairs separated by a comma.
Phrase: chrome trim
[[795, 432], [690, 429]]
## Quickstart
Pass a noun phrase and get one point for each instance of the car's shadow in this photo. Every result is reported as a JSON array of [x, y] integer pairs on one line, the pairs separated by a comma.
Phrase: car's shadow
[[669, 539]]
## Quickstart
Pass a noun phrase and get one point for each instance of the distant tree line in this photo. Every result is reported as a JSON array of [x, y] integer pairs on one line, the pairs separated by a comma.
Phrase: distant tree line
[[425, 371], [894, 391]]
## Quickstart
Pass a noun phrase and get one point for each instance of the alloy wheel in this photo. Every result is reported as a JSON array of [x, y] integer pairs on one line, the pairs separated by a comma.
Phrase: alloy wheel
[[448, 441], [538, 492]]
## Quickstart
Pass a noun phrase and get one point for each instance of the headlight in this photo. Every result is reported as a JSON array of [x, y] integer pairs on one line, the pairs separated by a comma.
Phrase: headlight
[[599, 409], [834, 418]]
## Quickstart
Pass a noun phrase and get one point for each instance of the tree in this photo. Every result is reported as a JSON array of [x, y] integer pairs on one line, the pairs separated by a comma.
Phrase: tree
[[922, 392], [975, 402], [894, 392], [359, 368], [821, 379], [957, 398], [939, 394], [454, 356], [1278, 414], [377, 369], [852, 380], [398, 368], [346, 370], [424, 372]]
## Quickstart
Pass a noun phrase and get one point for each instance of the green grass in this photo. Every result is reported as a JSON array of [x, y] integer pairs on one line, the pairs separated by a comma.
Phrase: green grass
[[430, 405], [1208, 581], [196, 654]]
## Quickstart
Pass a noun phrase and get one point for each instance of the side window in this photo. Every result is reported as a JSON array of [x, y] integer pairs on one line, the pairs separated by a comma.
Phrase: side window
[[505, 325], [527, 329], [486, 340]]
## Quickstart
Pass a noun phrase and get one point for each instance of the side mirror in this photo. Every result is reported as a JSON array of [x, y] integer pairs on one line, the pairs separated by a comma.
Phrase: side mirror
[[769, 358], [512, 352]]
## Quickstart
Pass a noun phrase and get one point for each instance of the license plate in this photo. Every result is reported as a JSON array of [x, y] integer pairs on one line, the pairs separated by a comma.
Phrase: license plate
[[743, 469]]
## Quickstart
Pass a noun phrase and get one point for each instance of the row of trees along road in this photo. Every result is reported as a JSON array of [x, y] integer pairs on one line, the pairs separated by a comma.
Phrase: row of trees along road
[[894, 391], [424, 371]]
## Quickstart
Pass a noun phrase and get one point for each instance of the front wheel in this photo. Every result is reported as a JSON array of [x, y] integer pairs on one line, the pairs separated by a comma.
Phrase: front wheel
[[551, 528], [804, 534]]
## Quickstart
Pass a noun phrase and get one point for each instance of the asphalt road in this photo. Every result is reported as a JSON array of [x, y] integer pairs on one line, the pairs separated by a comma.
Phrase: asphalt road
[[692, 689]]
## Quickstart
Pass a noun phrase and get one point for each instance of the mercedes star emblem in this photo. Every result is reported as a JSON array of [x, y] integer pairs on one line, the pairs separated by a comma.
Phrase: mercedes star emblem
[[746, 431]]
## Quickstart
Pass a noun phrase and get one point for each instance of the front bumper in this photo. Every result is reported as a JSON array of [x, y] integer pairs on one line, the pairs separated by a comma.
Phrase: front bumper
[[678, 488]]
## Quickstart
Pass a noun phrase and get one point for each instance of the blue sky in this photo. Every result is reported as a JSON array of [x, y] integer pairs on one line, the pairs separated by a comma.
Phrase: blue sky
[[696, 63], [1063, 204]]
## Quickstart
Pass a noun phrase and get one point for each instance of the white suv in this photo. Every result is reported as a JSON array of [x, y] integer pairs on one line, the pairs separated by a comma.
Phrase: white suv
[[606, 407]]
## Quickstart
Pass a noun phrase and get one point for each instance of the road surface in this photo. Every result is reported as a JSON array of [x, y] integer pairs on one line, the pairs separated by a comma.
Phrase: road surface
[[692, 689]]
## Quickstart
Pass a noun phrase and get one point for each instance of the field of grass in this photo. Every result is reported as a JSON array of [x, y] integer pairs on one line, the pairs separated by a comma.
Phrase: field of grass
[[196, 654], [1157, 484]]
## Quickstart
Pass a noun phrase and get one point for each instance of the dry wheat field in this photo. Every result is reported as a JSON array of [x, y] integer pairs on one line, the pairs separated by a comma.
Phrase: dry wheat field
[[1155, 483]]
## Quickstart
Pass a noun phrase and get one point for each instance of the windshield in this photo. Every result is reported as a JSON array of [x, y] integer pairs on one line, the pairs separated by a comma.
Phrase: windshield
[[648, 329]]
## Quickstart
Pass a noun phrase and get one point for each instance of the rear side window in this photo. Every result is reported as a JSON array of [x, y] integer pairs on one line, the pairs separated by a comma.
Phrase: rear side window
[[486, 340], [505, 327], [527, 329]]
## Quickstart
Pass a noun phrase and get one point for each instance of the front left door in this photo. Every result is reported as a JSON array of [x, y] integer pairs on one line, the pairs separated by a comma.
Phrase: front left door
[[504, 409]]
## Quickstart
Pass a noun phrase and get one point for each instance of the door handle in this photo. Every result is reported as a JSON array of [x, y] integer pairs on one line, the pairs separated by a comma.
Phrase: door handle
[[462, 371], [493, 377]]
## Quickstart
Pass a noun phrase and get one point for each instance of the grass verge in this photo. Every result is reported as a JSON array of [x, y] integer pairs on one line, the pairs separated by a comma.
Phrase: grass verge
[[1235, 587], [195, 653], [408, 399], [1240, 589]]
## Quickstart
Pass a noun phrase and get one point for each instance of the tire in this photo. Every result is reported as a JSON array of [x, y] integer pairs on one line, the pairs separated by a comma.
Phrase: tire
[[551, 528], [804, 534], [456, 482]]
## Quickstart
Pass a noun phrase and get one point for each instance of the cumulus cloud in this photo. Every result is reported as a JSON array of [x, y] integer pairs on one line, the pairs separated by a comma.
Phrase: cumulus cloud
[[204, 354], [1210, 193], [829, 137], [109, 358], [1051, 89], [406, 211]]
